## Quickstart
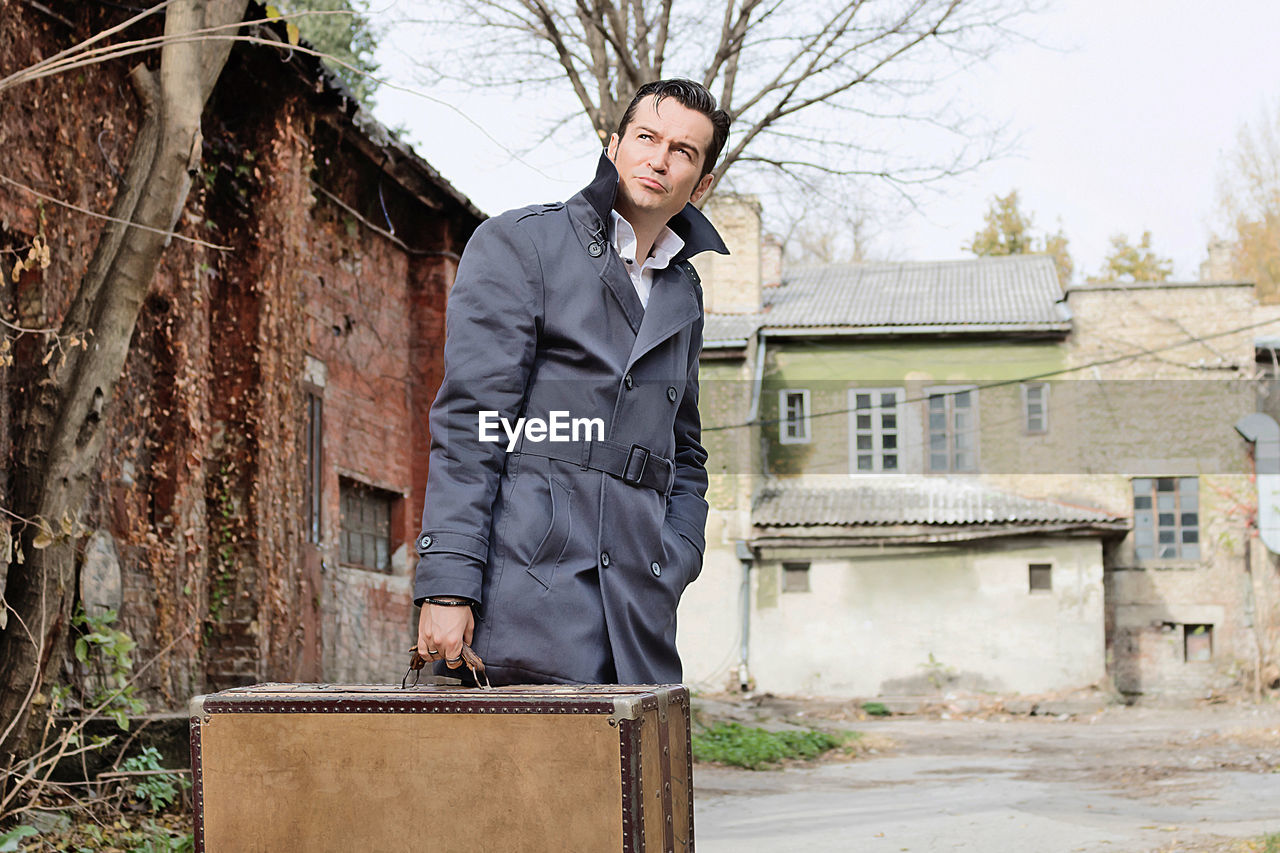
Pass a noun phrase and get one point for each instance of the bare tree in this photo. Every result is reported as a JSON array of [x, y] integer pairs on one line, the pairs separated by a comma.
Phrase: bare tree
[[61, 432], [819, 89]]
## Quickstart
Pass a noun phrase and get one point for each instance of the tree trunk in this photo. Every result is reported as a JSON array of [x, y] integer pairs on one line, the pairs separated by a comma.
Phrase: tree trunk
[[62, 432]]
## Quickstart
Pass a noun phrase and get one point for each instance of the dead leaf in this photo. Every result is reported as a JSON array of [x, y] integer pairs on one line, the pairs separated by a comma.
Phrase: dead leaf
[[42, 540]]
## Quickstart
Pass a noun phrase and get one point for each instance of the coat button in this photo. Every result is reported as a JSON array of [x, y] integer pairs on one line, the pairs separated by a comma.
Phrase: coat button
[[671, 393], [604, 559], [595, 249], [628, 381], [656, 569], [424, 542]]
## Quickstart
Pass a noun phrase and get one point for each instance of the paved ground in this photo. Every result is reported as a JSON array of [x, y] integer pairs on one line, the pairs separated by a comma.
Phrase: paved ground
[[1125, 779]]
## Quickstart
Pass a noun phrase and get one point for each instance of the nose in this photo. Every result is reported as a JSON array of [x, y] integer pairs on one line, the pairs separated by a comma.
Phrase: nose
[[658, 160]]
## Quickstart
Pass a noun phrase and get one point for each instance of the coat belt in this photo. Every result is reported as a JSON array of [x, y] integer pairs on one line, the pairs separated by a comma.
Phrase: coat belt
[[635, 464]]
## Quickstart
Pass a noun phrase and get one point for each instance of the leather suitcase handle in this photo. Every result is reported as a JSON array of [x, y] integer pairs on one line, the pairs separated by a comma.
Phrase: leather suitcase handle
[[469, 658]]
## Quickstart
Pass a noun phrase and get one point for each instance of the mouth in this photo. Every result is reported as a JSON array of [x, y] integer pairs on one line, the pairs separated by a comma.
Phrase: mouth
[[650, 183]]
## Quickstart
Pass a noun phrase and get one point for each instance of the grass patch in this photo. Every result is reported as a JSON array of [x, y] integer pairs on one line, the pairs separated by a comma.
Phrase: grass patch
[[757, 749], [168, 833], [1266, 844]]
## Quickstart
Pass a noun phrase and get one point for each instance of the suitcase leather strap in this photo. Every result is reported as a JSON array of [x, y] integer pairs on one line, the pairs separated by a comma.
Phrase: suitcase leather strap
[[664, 753]]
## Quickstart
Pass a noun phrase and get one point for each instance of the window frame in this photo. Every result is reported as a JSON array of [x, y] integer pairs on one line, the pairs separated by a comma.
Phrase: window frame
[[347, 485], [877, 434], [784, 417], [949, 392], [314, 470], [1026, 407], [1154, 527]]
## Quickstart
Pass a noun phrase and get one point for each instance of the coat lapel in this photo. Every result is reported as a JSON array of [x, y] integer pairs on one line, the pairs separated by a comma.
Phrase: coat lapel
[[672, 306]]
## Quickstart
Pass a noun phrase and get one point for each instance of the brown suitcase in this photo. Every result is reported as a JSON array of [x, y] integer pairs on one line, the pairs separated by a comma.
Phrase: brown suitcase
[[332, 767]]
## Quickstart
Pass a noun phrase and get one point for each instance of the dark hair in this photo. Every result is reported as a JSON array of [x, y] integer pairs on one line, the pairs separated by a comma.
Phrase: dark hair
[[692, 95]]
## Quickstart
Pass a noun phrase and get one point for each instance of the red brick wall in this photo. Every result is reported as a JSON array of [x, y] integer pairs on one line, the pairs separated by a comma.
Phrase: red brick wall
[[202, 486]]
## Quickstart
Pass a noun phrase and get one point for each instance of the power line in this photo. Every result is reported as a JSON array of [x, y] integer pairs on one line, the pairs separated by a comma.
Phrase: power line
[[1031, 378]]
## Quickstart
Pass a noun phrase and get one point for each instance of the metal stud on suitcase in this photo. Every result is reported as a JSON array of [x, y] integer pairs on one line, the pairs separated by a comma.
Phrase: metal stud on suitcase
[[281, 767]]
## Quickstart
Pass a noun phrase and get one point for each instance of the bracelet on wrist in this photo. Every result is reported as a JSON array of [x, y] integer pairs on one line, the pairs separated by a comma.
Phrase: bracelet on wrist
[[448, 602]]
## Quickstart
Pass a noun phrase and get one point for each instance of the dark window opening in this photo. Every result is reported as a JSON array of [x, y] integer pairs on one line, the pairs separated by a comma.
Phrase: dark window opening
[[366, 526], [1040, 577], [315, 469], [1197, 642], [795, 577]]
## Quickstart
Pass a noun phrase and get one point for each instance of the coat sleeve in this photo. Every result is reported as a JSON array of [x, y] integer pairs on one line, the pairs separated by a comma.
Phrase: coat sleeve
[[687, 506], [491, 327]]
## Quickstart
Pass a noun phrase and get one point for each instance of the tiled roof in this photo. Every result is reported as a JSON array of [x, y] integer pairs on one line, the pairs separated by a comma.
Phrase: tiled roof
[[729, 330], [1014, 293], [913, 500]]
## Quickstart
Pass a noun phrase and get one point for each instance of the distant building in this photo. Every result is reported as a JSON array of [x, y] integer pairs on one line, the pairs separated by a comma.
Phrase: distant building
[[959, 474]]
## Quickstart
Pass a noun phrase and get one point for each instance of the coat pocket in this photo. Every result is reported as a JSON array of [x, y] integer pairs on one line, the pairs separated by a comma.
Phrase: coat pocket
[[542, 567]]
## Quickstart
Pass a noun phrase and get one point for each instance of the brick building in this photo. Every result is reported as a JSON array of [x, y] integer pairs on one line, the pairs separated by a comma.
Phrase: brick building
[[267, 449]]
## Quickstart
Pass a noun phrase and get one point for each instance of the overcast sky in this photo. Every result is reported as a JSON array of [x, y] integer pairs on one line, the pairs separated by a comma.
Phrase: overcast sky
[[1122, 115]]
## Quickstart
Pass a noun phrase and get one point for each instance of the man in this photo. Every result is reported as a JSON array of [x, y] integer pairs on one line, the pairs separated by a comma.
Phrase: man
[[560, 554]]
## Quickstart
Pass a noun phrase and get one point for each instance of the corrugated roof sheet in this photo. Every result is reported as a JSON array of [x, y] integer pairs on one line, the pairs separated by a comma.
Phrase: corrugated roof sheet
[[729, 330], [911, 500], [1014, 292]]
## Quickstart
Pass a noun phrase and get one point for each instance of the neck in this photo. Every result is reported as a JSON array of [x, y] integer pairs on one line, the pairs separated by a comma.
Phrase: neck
[[647, 230]]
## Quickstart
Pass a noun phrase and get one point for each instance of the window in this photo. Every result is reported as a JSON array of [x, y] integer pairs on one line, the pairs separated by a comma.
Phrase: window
[[1166, 519], [1035, 407], [1040, 577], [1197, 642], [315, 471], [953, 429], [366, 526], [795, 577], [794, 406], [876, 433]]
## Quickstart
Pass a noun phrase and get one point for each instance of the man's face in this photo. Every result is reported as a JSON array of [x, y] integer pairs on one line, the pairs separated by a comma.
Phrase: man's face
[[659, 161]]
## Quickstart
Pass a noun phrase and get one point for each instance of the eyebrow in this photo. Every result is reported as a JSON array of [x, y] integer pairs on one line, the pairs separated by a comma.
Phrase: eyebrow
[[684, 142]]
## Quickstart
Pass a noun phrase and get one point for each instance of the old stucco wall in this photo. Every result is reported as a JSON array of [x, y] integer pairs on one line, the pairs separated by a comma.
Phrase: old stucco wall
[[910, 621]]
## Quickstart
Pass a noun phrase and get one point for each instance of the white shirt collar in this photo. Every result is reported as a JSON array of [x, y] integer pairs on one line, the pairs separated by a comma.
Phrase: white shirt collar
[[623, 238]]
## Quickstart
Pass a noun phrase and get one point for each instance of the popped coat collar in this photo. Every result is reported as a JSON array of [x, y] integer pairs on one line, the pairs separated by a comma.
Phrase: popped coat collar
[[690, 225]]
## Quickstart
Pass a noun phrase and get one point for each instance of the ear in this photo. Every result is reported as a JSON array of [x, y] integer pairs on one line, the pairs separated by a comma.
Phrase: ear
[[612, 151], [701, 189]]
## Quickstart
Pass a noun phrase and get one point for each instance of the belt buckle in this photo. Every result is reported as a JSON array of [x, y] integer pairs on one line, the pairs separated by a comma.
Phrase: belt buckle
[[644, 461]]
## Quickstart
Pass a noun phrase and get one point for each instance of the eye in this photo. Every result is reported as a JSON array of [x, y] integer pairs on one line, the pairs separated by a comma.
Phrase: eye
[[683, 151], [643, 136]]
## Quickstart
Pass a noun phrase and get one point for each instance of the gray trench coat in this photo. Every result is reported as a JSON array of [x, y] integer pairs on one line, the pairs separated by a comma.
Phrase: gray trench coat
[[578, 550]]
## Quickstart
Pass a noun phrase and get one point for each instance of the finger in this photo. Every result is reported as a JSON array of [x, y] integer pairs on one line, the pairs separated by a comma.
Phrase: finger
[[453, 653]]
